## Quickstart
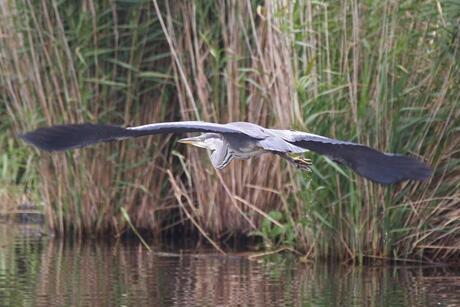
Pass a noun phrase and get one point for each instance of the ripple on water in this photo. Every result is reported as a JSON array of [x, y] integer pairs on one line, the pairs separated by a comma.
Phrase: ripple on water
[[36, 270]]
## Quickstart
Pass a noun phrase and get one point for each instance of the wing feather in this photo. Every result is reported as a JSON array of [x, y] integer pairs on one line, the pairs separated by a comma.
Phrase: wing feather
[[187, 126], [63, 137], [384, 168]]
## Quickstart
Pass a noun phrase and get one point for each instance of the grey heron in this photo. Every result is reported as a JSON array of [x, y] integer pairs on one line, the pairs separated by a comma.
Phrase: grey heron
[[243, 140]]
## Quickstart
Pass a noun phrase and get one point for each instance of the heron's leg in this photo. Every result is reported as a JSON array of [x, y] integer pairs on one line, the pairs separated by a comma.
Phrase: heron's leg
[[299, 161]]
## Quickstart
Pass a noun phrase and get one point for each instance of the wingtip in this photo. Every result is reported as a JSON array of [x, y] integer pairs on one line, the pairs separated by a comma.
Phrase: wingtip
[[24, 137], [425, 172], [407, 168], [71, 136], [33, 138]]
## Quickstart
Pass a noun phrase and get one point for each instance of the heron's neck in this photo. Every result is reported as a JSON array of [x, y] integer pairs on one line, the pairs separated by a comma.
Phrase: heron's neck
[[220, 156]]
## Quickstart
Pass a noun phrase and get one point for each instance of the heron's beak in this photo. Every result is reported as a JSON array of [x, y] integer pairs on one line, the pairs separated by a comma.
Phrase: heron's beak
[[192, 141]]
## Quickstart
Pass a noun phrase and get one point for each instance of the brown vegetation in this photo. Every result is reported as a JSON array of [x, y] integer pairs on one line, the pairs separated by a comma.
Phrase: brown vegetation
[[382, 74]]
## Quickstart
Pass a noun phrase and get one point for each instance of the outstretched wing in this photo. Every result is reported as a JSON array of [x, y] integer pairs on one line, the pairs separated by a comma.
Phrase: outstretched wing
[[63, 137], [384, 168]]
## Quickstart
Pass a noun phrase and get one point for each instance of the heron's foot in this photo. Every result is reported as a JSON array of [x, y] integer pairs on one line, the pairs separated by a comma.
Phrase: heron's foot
[[299, 161], [302, 163]]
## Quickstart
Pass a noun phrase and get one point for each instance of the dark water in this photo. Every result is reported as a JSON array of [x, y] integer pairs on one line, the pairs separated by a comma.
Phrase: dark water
[[39, 271]]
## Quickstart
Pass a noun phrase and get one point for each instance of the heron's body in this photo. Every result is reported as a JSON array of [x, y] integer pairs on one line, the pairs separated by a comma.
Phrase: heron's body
[[242, 140], [230, 148]]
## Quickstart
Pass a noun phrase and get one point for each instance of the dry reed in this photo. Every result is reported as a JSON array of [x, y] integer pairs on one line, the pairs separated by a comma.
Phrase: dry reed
[[379, 74]]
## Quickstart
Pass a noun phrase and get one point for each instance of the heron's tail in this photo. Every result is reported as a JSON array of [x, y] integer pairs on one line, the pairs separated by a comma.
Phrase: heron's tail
[[62, 137]]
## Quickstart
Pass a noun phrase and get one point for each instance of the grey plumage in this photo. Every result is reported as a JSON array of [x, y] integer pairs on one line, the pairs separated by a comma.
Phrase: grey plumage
[[242, 140]]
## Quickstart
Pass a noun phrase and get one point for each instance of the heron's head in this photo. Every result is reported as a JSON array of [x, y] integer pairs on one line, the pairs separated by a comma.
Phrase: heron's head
[[209, 141]]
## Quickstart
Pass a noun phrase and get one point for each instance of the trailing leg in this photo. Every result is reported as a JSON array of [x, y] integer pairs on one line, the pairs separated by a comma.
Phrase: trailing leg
[[299, 162]]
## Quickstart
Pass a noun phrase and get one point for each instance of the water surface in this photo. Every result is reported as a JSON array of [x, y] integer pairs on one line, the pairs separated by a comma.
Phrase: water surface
[[40, 271]]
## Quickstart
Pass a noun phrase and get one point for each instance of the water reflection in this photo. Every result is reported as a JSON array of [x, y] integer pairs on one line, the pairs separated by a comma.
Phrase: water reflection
[[36, 270]]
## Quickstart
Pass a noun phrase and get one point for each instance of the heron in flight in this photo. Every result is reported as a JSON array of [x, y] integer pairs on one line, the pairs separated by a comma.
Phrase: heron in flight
[[243, 140]]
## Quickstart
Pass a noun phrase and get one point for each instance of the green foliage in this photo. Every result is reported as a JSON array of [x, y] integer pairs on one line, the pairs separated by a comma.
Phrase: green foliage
[[381, 73], [384, 75], [273, 235]]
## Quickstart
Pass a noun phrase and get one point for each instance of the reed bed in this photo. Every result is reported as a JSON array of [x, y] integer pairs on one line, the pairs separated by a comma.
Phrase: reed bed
[[384, 73]]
